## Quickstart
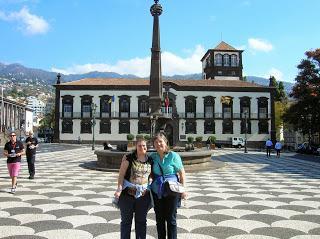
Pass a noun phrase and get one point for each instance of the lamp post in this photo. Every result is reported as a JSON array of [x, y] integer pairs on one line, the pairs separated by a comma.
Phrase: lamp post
[[309, 118], [245, 131], [93, 110]]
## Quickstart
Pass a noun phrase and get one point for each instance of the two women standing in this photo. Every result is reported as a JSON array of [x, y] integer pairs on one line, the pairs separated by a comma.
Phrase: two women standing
[[140, 173]]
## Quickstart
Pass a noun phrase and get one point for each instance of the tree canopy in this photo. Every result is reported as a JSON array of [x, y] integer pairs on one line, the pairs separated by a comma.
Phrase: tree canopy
[[304, 113]]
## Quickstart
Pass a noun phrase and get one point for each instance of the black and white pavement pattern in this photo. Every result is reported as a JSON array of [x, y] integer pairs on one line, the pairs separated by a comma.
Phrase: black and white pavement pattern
[[252, 197]]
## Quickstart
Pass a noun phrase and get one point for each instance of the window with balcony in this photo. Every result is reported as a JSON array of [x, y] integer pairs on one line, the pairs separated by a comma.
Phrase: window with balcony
[[226, 60], [67, 106], [124, 107], [124, 127], [245, 107], [218, 60], [262, 108], [190, 106], [86, 101], [143, 106], [209, 107], [67, 110], [105, 106]]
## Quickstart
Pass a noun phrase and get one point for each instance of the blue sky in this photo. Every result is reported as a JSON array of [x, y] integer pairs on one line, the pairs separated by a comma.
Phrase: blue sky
[[77, 36]]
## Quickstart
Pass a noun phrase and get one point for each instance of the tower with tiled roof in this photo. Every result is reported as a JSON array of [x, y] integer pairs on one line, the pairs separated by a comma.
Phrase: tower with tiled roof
[[223, 62]]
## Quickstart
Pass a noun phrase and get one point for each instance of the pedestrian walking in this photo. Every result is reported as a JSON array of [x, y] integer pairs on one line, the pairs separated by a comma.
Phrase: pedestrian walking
[[167, 166], [133, 194], [31, 149], [278, 147], [13, 151], [269, 145], [208, 143]]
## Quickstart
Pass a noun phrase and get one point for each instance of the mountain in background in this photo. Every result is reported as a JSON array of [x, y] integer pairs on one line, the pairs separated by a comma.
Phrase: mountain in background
[[19, 74]]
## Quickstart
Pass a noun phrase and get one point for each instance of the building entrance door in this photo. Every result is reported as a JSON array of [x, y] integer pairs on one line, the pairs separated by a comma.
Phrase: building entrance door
[[169, 133]]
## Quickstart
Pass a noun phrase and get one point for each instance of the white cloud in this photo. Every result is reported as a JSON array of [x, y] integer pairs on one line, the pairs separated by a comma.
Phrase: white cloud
[[259, 45], [28, 23], [276, 73], [171, 65]]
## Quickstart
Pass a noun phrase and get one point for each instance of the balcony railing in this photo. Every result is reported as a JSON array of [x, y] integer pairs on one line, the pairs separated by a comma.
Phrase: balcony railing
[[137, 115]]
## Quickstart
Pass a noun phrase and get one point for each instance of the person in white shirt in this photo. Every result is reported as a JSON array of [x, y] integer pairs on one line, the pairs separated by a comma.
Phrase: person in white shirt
[[269, 146], [278, 147]]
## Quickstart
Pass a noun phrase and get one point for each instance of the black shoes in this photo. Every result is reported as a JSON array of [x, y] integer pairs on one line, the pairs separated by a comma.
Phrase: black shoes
[[31, 177]]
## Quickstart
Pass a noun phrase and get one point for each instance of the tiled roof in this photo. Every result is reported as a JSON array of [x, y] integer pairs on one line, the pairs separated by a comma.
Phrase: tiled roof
[[145, 82], [224, 47]]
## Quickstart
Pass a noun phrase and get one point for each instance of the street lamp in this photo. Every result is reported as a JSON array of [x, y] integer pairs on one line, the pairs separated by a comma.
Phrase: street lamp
[[245, 131], [309, 118], [93, 110]]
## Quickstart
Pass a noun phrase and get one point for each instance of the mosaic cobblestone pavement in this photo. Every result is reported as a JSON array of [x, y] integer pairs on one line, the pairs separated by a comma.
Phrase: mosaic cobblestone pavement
[[251, 197]]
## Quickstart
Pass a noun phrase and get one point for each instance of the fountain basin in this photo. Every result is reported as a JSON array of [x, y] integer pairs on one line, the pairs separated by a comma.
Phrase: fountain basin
[[110, 159]]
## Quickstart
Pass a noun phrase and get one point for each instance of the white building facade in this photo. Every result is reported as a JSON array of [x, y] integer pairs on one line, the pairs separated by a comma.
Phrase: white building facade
[[224, 106]]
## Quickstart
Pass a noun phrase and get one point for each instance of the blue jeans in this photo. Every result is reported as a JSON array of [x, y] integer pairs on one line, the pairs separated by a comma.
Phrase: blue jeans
[[166, 211], [129, 205]]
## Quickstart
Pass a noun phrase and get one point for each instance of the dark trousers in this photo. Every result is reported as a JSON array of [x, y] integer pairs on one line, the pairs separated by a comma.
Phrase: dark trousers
[[166, 212], [31, 160], [129, 205], [278, 152], [268, 151]]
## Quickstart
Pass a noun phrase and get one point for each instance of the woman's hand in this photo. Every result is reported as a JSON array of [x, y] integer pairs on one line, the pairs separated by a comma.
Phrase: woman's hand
[[184, 195], [117, 194]]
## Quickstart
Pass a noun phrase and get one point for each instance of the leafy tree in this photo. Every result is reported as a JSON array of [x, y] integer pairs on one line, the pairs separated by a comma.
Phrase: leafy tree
[[280, 92], [48, 120], [304, 113]]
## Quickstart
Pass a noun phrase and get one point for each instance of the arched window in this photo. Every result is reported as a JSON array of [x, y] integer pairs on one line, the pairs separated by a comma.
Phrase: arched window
[[226, 60], [218, 59], [234, 60]]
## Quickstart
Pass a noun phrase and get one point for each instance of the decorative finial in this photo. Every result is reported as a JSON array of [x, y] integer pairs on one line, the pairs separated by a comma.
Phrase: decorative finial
[[58, 78], [156, 9]]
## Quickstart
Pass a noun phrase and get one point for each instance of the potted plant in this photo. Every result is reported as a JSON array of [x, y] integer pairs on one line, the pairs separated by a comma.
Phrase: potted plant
[[212, 142], [199, 141], [189, 145], [130, 138]]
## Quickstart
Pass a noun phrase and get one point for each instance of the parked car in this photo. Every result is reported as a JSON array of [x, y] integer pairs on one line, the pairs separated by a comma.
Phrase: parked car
[[305, 148]]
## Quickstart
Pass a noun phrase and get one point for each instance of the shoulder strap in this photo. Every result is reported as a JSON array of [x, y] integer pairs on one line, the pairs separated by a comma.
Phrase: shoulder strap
[[161, 169]]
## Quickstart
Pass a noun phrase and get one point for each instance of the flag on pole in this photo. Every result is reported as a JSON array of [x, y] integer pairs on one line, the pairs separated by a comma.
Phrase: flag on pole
[[166, 103]]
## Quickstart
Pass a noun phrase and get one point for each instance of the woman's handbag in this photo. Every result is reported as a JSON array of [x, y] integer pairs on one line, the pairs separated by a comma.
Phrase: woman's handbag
[[173, 187]]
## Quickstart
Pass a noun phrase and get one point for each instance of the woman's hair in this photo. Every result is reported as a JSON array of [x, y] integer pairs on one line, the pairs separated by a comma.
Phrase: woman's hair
[[164, 138]]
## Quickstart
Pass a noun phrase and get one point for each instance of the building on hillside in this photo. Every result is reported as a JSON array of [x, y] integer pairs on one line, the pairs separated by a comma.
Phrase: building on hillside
[[221, 104], [38, 108]]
